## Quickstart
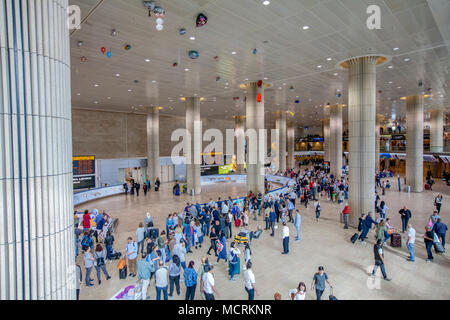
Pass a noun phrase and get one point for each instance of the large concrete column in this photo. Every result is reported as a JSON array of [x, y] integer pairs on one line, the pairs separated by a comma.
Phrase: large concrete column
[[281, 127], [326, 139], [255, 149], [37, 250], [437, 131], [291, 145], [414, 143], [194, 127], [336, 140], [361, 124], [239, 128], [153, 167], [379, 118]]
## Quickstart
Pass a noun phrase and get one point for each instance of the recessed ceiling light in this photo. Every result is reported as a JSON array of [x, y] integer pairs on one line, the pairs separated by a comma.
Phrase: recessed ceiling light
[[399, 87], [109, 98], [390, 67], [305, 27], [154, 81], [96, 85], [266, 78], [266, 2], [335, 74], [117, 74], [192, 38], [95, 102], [395, 49], [329, 59], [234, 52], [390, 82], [78, 94], [226, 83], [129, 90], [186, 69], [406, 59], [147, 60], [319, 66]]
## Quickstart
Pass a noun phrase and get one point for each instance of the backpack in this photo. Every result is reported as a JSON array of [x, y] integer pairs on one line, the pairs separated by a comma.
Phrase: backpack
[[86, 242], [100, 261], [219, 246]]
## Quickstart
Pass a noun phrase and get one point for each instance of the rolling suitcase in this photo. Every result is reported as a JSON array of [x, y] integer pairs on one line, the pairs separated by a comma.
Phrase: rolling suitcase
[[438, 247], [396, 240], [354, 237], [427, 186], [332, 297], [123, 273]]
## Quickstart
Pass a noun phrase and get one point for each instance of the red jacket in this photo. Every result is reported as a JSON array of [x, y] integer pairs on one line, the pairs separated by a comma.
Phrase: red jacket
[[346, 210], [86, 221]]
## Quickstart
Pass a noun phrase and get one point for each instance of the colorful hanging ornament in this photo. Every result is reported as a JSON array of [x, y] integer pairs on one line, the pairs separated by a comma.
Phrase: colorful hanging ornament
[[109, 54], [259, 97], [218, 78], [380, 92], [235, 98], [127, 47], [193, 54], [297, 101], [259, 83], [339, 95], [103, 50], [255, 51], [83, 59], [201, 20], [175, 64], [216, 58], [182, 31]]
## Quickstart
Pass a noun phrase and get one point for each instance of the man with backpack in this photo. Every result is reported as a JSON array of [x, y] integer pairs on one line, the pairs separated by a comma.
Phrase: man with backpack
[[131, 253], [86, 242], [379, 259]]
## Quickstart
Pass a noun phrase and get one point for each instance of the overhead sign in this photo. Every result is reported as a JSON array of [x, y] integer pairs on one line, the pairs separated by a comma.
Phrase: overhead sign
[[83, 182], [84, 165]]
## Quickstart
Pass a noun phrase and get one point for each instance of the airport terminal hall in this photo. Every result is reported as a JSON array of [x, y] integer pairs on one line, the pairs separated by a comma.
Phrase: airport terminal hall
[[230, 150]]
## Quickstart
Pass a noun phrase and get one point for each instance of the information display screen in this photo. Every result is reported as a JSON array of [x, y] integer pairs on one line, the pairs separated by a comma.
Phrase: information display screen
[[209, 170], [83, 182], [83, 165]]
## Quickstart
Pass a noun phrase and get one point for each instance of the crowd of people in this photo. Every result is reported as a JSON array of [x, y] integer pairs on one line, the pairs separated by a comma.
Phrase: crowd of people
[[163, 256]]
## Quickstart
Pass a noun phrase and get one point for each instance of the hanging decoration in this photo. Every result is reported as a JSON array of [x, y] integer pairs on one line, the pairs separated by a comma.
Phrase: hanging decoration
[[339, 95], [297, 101], [175, 64], [159, 12], [380, 92], [109, 54], [259, 83], [216, 58], [103, 49], [201, 20], [255, 51], [79, 44], [259, 97], [193, 54], [182, 31], [218, 78], [235, 98], [430, 90], [127, 47], [114, 33], [291, 88], [83, 59]]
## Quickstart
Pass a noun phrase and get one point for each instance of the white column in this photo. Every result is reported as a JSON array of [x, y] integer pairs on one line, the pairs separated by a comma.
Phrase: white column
[[336, 140], [361, 124], [291, 145], [153, 166], [437, 131], [280, 125], [37, 249], [326, 139], [239, 127], [255, 149], [414, 143], [194, 127]]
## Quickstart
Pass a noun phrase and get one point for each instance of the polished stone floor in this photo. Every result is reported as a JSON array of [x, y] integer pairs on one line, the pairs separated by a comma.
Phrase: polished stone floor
[[323, 243]]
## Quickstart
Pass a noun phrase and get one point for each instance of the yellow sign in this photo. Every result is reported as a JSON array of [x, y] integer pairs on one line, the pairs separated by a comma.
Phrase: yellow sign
[[83, 158]]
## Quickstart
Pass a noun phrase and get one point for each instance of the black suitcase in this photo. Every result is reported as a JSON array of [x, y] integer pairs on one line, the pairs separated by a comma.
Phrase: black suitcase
[[153, 233], [123, 273], [332, 296], [354, 237], [396, 240]]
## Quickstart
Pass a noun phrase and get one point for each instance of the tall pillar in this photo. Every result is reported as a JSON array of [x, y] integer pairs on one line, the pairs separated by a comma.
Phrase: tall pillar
[[194, 127], [153, 166], [37, 249], [239, 128], [361, 124], [336, 140], [255, 149], [326, 139], [379, 118], [437, 131], [414, 142], [281, 127], [291, 145]]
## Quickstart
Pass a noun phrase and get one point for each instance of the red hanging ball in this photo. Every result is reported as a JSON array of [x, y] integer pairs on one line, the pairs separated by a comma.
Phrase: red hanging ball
[[260, 83], [259, 97], [103, 50]]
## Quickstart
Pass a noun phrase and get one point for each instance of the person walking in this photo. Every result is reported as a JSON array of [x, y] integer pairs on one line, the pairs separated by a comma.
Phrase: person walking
[[438, 202], [212, 239], [405, 215], [411, 238], [161, 282], [290, 208], [379, 259], [131, 252], [318, 283], [273, 218], [317, 209], [440, 229], [88, 264], [297, 223], [100, 262], [222, 250], [345, 214], [234, 261], [208, 284], [190, 280], [429, 240], [285, 239], [298, 293], [249, 281], [140, 237], [145, 269]]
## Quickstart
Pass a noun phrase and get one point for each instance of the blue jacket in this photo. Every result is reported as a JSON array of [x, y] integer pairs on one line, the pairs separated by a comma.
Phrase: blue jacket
[[369, 222], [298, 220], [190, 277], [439, 228], [273, 216]]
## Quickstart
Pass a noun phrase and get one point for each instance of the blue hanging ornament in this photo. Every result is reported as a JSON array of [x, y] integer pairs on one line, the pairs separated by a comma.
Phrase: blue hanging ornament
[[109, 54], [193, 54], [297, 101], [182, 31], [255, 51]]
